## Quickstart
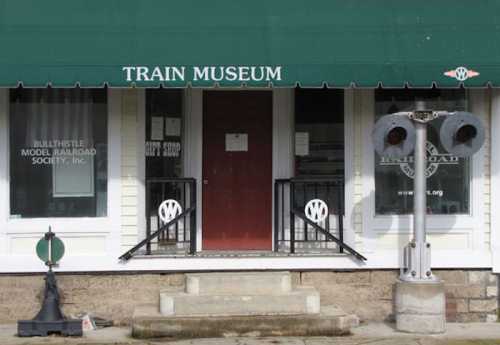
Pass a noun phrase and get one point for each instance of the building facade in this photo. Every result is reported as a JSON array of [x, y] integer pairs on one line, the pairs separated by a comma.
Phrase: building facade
[[239, 150]]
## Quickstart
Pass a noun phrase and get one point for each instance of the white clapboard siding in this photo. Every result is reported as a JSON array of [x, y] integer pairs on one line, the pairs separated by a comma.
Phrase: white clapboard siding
[[129, 210]]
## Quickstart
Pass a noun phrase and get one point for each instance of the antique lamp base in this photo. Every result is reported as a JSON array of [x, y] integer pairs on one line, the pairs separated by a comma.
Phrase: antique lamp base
[[32, 328], [50, 318]]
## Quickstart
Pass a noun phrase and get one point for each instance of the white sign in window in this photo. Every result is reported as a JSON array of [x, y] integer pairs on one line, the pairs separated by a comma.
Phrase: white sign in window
[[172, 126], [157, 128], [236, 142], [73, 177], [301, 143]]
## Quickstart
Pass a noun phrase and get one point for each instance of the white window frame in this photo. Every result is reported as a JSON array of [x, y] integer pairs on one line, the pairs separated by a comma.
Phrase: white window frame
[[108, 227], [495, 179], [376, 225]]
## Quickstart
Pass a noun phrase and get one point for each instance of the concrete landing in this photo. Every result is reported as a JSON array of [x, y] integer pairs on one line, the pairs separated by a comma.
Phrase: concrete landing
[[147, 322]]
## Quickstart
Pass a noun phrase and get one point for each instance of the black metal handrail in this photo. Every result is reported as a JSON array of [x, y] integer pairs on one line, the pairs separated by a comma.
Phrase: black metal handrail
[[342, 244], [291, 196], [181, 230], [128, 254]]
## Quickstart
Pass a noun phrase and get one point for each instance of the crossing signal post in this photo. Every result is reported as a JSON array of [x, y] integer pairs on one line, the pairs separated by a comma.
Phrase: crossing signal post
[[396, 136]]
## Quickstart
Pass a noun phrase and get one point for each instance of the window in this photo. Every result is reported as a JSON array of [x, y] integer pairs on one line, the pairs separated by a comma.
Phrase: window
[[319, 146], [58, 153], [319, 132], [448, 177], [163, 133], [164, 128]]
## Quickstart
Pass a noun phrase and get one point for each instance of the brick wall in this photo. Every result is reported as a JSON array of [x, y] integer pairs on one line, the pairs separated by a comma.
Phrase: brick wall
[[472, 296]]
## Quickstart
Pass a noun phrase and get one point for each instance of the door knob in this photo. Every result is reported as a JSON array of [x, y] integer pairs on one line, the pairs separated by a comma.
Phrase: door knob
[[205, 181]]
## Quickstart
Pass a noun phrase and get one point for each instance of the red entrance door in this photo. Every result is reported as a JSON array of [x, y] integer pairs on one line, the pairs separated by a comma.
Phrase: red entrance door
[[237, 170]]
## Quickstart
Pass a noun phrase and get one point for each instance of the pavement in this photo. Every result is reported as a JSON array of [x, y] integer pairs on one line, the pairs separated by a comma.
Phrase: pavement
[[372, 334]]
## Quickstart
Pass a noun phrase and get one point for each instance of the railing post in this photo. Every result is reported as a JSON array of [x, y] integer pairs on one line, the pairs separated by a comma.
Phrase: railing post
[[292, 217], [192, 225], [340, 213], [276, 215], [148, 216]]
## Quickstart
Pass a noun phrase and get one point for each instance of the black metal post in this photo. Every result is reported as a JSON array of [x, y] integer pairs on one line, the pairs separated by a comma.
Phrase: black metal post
[[192, 226], [276, 215], [292, 217], [148, 216], [340, 213], [282, 212]]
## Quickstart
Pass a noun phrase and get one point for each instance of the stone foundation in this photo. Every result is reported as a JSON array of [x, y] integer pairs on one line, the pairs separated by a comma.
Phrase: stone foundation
[[472, 295], [111, 296]]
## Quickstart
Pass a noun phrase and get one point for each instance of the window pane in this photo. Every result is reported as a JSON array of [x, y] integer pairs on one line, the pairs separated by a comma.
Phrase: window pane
[[319, 132], [163, 133], [448, 177], [58, 153]]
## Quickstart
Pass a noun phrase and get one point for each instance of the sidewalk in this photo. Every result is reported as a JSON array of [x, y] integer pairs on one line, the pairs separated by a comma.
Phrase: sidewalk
[[373, 334]]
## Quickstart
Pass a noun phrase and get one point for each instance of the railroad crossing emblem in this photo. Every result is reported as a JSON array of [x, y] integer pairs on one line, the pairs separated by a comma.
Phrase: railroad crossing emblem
[[316, 210], [461, 73], [434, 160], [168, 210]]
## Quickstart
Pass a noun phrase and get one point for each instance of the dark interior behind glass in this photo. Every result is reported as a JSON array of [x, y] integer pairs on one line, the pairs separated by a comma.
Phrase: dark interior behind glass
[[58, 152], [319, 117], [448, 182]]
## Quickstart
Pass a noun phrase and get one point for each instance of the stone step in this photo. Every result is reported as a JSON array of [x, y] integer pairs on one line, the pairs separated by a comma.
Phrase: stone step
[[147, 322], [239, 283], [303, 300]]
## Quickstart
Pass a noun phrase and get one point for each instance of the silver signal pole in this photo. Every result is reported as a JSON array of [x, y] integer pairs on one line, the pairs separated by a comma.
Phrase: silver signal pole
[[419, 297], [420, 199], [417, 258]]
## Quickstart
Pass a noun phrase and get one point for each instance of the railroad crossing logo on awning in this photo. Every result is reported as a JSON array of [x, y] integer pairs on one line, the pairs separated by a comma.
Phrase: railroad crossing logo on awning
[[168, 210], [316, 210], [461, 73]]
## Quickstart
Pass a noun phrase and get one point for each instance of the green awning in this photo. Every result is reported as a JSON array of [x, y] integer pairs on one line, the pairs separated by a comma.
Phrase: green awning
[[337, 43]]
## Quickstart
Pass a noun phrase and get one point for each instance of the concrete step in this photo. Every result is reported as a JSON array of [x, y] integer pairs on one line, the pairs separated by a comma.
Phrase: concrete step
[[239, 283], [303, 300], [147, 322]]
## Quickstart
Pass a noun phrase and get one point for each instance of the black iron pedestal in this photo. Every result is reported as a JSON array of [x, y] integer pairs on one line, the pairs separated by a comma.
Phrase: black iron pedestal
[[49, 319]]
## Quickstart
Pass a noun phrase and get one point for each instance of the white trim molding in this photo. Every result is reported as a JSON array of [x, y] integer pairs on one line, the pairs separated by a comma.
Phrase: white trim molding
[[193, 154], [382, 259], [349, 169], [141, 164], [283, 155], [4, 169], [495, 179]]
